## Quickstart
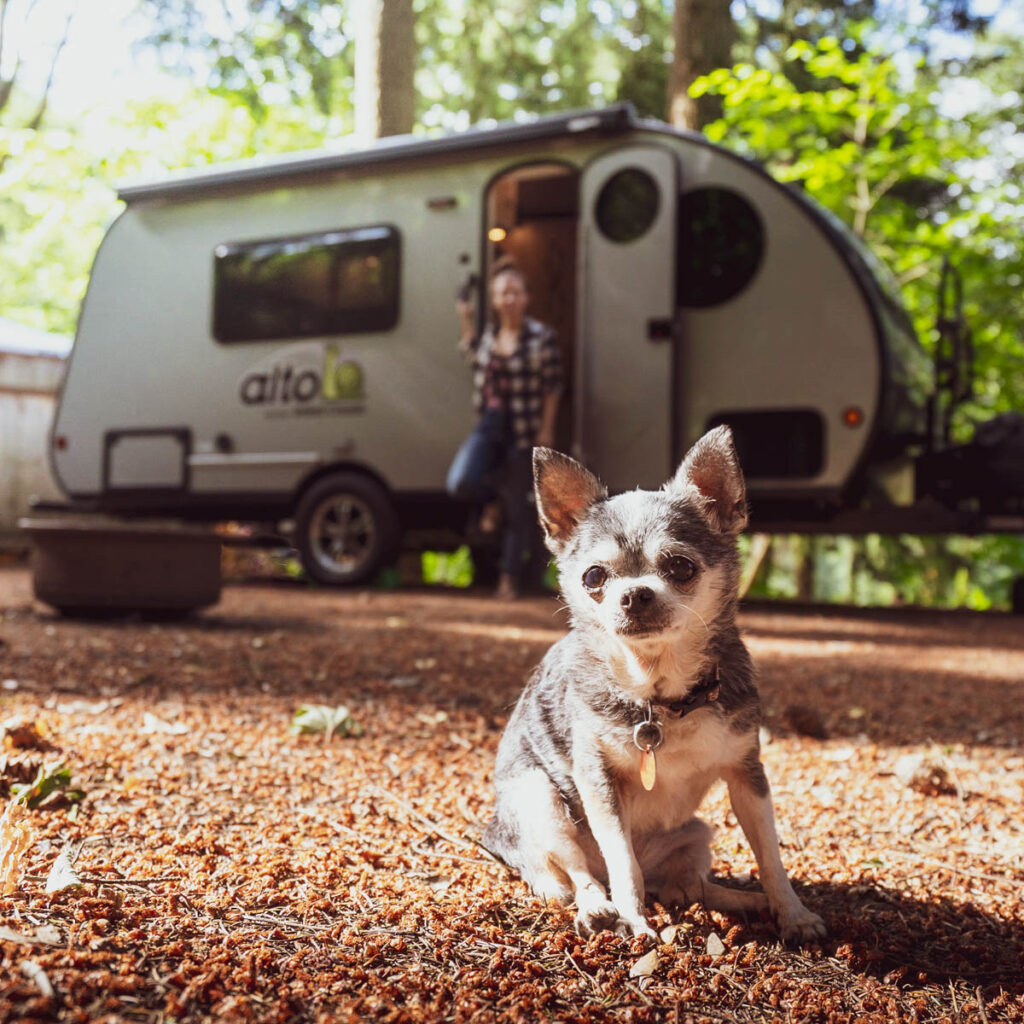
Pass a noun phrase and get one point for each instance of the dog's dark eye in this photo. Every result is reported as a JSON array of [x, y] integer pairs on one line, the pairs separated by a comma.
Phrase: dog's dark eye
[[681, 569], [594, 577]]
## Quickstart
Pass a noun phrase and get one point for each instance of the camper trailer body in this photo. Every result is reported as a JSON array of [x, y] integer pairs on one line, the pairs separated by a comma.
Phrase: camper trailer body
[[252, 331]]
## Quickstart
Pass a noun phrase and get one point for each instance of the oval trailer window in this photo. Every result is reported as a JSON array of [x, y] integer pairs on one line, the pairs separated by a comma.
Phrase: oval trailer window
[[627, 205], [721, 242]]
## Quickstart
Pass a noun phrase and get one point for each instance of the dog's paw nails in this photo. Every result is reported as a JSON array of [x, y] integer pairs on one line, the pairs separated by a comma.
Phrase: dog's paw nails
[[605, 917], [801, 925], [630, 928], [601, 917]]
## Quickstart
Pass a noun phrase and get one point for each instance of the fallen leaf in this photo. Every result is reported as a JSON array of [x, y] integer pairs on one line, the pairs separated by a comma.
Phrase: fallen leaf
[[837, 755], [151, 724], [825, 795], [646, 965], [62, 875], [76, 707], [47, 935], [26, 735], [15, 838], [405, 682], [35, 973], [432, 717], [715, 946], [49, 779], [926, 776], [315, 718]]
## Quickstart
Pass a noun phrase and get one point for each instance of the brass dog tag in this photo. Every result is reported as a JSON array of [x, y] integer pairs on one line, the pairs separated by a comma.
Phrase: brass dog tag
[[647, 738], [648, 769]]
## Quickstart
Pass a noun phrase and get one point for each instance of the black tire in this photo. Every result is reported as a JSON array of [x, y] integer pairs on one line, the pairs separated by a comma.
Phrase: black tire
[[485, 564], [346, 528], [1017, 596]]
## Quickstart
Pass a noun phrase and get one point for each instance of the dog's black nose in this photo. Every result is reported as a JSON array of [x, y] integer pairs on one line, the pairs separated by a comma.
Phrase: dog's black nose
[[636, 599]]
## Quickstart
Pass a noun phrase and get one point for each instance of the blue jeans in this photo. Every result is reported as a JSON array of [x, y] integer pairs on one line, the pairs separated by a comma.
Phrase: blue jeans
[[490, 467]]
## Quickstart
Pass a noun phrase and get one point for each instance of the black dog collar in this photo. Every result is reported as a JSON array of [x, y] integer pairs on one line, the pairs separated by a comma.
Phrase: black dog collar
[[648, 734], [701, 696]]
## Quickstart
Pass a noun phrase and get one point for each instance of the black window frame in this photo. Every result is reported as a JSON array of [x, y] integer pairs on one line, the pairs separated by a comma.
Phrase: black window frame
[[376, 239], [716, 282], [777, 444], [608, 209]]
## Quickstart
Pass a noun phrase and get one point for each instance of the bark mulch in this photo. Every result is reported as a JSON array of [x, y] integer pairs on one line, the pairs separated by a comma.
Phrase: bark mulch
[[229, 869]]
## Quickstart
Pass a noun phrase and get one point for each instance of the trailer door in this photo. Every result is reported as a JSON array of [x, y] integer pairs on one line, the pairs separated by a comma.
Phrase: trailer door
[[623, 400]]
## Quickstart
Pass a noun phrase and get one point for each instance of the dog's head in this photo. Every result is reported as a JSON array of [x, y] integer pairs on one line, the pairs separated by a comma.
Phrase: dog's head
[[647, 567]]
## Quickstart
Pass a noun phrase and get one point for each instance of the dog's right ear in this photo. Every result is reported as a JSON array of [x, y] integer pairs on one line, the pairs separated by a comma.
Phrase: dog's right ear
[[565, 492], [712, 470]]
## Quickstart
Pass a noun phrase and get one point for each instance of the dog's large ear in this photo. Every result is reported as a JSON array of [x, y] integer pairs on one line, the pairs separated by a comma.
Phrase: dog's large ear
[[713, 469], [565, 491]]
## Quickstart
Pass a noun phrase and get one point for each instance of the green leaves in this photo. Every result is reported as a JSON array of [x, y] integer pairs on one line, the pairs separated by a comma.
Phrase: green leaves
[[320, 718], [924, 571], [57, 193], [448, 568], [275, 53], [50, 779], [916, 165]]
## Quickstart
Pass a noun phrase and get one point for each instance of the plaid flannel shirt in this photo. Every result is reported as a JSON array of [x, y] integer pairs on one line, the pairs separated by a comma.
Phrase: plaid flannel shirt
[[533, 371]]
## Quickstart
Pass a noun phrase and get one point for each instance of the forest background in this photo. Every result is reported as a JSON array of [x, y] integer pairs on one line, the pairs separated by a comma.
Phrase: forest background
[[902, 117]]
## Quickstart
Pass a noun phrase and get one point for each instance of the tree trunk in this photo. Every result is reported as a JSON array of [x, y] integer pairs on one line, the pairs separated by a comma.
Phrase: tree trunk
[[758, 556], [703, 31], [384, 97], [805, 550]]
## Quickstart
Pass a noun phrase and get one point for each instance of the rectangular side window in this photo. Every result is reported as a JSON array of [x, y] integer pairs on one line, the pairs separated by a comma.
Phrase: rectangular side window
[[335, 282]]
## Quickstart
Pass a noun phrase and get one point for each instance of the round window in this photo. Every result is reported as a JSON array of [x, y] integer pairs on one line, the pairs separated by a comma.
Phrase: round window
[[721, 243], [627, 205]]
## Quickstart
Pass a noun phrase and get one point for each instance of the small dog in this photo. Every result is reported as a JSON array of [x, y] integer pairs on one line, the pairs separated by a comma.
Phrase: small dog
[[645, 703]]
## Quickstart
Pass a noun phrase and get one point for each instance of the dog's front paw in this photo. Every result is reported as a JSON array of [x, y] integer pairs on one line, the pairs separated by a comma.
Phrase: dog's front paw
[[640, 927], [603, 916], [797, 924]]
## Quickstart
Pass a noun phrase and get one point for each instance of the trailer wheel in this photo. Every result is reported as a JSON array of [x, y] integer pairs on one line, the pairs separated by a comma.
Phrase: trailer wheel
[[1017, 596], [346, 528]]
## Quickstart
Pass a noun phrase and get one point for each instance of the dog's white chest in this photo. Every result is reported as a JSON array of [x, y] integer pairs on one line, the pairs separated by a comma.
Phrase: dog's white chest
[[695, 754]]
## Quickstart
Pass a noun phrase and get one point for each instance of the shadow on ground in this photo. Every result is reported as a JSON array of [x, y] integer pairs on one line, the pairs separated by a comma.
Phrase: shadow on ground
[[894, 936]]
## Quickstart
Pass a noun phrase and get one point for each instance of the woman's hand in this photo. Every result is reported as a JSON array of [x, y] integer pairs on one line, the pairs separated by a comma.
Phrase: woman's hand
[[545, 437], [464, 309]]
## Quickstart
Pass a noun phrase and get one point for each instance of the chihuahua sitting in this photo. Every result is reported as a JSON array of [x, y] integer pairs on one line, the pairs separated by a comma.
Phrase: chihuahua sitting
[[644, 704]]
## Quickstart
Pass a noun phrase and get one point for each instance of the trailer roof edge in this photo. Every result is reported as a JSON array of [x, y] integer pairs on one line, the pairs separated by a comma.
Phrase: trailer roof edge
[[607, 120]]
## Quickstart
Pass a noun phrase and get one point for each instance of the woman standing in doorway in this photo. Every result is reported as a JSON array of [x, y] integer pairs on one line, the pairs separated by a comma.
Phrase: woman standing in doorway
[[517, 381]]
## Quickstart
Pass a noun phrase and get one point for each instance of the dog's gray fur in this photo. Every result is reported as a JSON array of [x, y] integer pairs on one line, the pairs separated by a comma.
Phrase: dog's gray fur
[[571, 813]]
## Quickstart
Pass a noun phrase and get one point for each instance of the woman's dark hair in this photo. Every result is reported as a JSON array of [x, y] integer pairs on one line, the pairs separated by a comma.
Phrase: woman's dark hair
[[507, 265]]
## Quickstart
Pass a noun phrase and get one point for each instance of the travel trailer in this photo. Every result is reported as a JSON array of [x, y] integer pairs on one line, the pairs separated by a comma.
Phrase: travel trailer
[[31, 366], [276, 340]]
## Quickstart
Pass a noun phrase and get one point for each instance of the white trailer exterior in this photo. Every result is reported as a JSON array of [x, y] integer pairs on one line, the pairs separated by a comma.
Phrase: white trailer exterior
[[277, 339], [31, 367]]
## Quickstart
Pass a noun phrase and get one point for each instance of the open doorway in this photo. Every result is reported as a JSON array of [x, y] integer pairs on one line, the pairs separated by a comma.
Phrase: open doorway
[[532, 213]]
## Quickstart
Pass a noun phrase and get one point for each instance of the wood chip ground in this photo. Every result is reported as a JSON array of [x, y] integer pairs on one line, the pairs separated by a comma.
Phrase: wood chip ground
[[234, 871]]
